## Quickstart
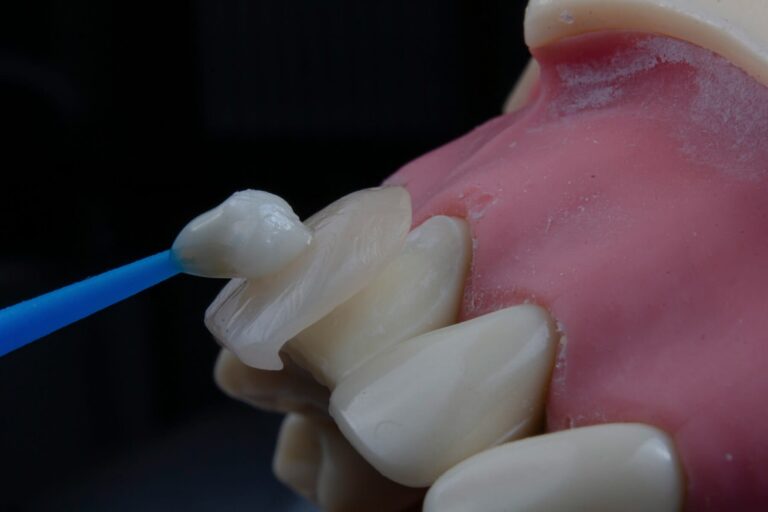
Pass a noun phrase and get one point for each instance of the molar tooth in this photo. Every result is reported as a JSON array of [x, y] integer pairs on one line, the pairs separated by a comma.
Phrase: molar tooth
[[627, 467], [430, 402], [418, 292], [353, 240], [313, 458], [291, 389]]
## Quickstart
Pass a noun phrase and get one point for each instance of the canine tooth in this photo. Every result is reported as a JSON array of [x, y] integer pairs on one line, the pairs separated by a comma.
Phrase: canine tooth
[[353, 240], [313, 458], [430, 402], [605, 468], [291, 389], [418, 292]]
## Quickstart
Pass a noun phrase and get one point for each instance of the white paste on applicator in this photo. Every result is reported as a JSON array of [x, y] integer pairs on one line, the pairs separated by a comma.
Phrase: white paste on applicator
[[250, 235]]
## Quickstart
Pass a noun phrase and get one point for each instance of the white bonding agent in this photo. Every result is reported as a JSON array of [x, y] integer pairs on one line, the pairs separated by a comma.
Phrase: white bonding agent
[[251, 234]]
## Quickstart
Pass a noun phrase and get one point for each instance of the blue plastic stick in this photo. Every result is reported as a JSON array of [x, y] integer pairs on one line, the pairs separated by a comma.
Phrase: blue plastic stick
[[32, 319]]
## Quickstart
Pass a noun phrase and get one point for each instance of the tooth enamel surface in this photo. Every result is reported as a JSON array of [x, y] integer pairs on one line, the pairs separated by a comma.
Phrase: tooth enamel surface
[[418, 292], [251, 234], [314, 459], [735, 29], [354, 239], [523, 89], [291, 389], [430, 402], [606, 468], [298, 455]]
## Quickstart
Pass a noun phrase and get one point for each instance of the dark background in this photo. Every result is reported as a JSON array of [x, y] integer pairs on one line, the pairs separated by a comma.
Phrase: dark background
[[121, 122]]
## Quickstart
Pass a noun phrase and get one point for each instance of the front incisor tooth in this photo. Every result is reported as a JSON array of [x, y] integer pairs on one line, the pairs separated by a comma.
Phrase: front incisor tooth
[[418, 292], [432, 401], [605, 468], [354, 239], [314, 459]]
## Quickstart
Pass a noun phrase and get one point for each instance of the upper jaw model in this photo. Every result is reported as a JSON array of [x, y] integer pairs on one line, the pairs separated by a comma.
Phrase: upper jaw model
[[589, 266]]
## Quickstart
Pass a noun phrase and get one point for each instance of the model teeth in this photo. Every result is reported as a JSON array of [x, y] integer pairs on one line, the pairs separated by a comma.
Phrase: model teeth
[[367, 309], [354, 239], [418, 292], [298, 455], [314, 459], [612, 467], [291, 389], [432, 401], [733, 29]]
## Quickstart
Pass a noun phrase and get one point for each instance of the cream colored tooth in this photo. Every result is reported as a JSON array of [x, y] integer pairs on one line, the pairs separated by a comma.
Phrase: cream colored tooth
[[313, 458], [298, 455], [291, 389], [430, 402], [734, 29], [418, 292], [524, 88], [605, 468], [354, 239]]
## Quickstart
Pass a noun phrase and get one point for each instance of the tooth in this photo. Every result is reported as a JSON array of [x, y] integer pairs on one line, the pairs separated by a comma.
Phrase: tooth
[[735, 29], [313, 458], [605, 468], [430, 402], [291, 389], [418, 292], [353, 240], [524, 89], [298, 456]]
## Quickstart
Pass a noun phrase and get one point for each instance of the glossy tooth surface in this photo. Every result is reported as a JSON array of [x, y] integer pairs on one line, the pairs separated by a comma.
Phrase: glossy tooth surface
[[418, 292], [354, 239], [291, 389], [605, 468], [314, 459], [251, 234], [432, 401]]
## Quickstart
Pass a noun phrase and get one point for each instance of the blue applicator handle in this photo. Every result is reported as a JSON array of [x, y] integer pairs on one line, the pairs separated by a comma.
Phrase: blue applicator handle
[[32, 319]]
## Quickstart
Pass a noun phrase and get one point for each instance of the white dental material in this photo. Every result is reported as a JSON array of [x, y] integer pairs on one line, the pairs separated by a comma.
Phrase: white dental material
[[251, 234]]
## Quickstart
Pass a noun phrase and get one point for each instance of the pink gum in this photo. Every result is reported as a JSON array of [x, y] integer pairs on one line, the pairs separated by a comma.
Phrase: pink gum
[[631, 199]]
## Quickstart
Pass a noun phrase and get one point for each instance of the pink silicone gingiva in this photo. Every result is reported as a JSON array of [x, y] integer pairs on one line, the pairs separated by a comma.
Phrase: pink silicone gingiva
[[630, 197]]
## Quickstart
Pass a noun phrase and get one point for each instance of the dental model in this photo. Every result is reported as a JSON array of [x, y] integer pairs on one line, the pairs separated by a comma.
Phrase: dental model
[[576, 322]]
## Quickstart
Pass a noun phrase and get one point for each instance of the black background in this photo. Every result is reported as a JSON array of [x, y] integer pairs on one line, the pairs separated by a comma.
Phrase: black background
[[121, 122]]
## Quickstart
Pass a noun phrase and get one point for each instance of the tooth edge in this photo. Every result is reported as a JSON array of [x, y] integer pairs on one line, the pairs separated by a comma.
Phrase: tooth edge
[[401, 415], [372, 321], [559, 471], [284, 304]]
